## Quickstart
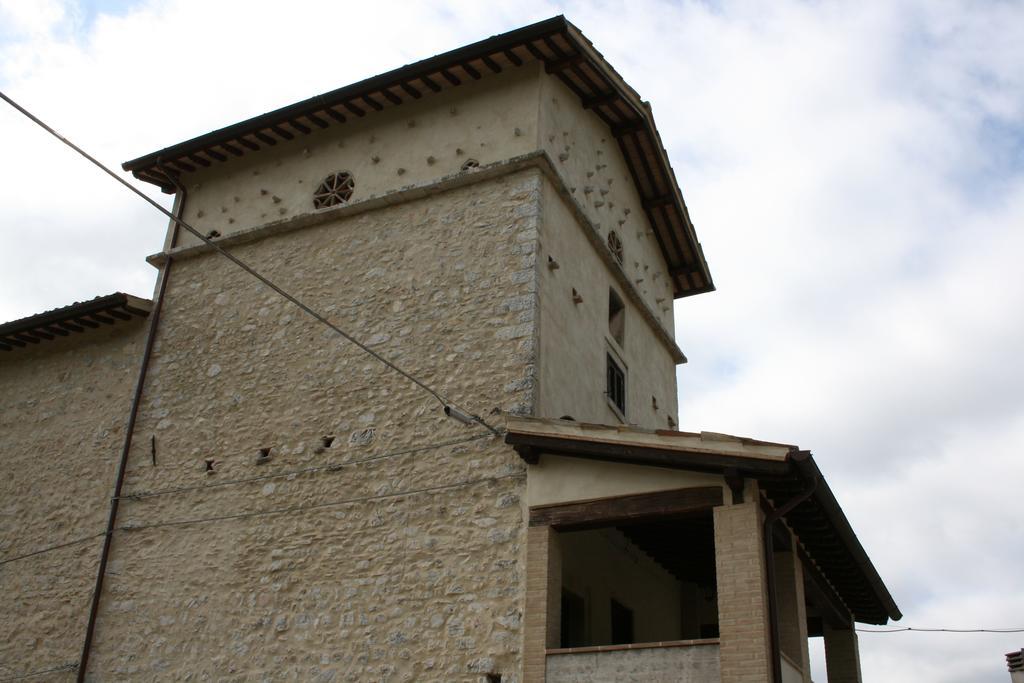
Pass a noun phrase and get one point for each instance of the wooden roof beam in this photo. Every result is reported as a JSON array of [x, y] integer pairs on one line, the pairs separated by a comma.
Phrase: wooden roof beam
[[600, 100], [391, 97], [555, 65], [491, 64]]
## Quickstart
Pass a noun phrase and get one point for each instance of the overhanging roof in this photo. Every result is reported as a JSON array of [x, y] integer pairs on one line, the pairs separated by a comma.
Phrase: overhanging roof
[[77, 318], [565, 52], [783, 471]]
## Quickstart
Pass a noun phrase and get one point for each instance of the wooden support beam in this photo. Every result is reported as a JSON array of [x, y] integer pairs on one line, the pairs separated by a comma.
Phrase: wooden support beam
[[102, 318], [205, 163], [628, 128], [336, 115], [391, 97], [413, 92], [513, 57], [249, 144], [301, 127], [25, 338], [319, 122], [13, 342], [430, 83], [120, 315], [600, 100], [374, 104], [491, 64], [556, 65], [655, 202], [625, 509], [450, 77], [232, 149], [535, 51], [41, 333], [58, 331], [84, 322], [214, 154], [282, 133], [5, 347], [354, 108]]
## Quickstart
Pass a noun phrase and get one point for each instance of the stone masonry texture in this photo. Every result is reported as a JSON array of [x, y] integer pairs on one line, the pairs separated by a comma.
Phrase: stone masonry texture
[[63, 409], [377, 540], [691, 664]]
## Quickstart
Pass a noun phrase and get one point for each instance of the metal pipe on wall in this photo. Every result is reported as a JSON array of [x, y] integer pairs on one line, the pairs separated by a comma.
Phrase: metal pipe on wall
[[133, 412]]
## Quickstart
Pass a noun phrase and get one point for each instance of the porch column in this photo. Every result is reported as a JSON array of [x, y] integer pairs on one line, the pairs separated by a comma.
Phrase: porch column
[[542, 618], [792, 608], [842, 658], [742, 599]]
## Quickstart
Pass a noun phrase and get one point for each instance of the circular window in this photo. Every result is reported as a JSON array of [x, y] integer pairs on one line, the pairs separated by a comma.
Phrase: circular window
[[470, 164], [615, 245], [334, 190]]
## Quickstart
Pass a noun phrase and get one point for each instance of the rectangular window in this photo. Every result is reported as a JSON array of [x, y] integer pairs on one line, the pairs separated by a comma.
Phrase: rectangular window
[[616, 385]]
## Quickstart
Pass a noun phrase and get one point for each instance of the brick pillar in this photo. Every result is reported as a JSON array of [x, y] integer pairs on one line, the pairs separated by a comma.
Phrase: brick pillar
[[542, 613], [792, 608], [742, 600], [842, 658]]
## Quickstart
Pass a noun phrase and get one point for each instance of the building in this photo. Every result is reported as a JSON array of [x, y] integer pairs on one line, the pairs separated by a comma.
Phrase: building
[[501, 223]]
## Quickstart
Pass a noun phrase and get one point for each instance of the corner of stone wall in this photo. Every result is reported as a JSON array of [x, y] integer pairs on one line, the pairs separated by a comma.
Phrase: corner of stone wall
[[527, 194]]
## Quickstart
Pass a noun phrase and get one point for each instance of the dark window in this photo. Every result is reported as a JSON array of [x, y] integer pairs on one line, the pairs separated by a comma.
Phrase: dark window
[[615, 246], [616, 317], [622, 623], [616, 385], [573, 620]]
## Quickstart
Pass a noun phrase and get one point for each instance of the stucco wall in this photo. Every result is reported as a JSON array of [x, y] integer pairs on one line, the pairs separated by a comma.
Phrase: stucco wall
[[589, 158], [63, 409], [336, 573], [687, 664], [489, 120], [558, 479], [574, 337], [601, 565]]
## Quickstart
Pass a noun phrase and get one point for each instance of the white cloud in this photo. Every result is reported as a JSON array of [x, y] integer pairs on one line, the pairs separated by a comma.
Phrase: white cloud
[[854, 170]]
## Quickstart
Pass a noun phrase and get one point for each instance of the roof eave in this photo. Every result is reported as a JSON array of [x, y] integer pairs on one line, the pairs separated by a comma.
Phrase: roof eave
[[797, 468]]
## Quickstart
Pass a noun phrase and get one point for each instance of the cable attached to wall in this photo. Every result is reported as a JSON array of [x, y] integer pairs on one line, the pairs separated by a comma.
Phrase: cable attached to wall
[[33, 674], [450, 407], [940, 630]]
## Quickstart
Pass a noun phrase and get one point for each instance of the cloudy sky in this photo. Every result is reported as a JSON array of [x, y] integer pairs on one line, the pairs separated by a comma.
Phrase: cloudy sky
[[855, 172]]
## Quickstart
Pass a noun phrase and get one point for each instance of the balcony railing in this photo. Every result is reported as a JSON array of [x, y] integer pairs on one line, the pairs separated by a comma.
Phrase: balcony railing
[[675, 661]]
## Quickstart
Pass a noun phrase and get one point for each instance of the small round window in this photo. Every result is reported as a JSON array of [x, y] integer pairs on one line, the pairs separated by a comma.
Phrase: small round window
[[615, 245], [336, 189], [470, 164]]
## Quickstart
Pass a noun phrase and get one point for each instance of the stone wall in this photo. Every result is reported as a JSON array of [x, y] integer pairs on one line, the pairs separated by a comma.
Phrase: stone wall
[[63, 409], [681, 664], [373, 557]]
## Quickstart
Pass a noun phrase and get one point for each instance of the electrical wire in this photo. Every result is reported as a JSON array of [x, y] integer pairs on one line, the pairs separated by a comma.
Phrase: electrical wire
[[318, 506], [333, 467], [941, 630], [33, 674], [245, 267], [51, 548]]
